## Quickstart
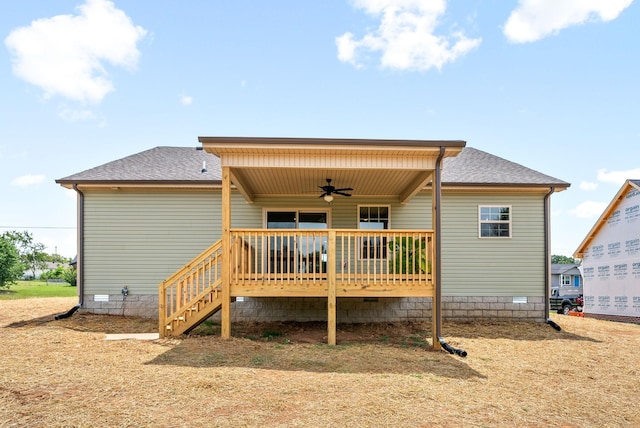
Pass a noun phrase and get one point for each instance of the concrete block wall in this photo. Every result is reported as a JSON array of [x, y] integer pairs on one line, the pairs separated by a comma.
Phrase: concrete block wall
[[349, 310], [142, 305]]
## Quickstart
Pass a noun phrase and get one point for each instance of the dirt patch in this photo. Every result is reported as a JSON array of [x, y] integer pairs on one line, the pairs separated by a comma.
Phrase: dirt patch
[[64, 373]]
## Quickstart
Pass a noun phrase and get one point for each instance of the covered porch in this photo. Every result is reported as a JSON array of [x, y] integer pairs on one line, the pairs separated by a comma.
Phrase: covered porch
[[325, 262]]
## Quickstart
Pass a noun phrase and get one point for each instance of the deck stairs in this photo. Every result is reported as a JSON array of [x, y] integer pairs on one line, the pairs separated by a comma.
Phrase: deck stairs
[[192, 294]]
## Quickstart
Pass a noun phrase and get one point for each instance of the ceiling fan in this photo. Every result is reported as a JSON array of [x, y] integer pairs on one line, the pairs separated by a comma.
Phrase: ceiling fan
[[330, 190]]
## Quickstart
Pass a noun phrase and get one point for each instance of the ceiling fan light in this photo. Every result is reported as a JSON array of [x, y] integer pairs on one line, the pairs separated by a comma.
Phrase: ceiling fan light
[[328, 198]]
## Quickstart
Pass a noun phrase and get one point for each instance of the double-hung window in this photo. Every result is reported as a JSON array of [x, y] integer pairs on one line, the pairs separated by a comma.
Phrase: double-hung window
[[494, 221], [565, 279], [373, 218]]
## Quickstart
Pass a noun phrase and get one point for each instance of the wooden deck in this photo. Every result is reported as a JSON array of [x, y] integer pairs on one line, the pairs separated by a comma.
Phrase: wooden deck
[[327, 263]]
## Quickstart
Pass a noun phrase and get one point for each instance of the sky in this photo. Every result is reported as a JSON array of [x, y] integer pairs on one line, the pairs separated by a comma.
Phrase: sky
[[550, 84]]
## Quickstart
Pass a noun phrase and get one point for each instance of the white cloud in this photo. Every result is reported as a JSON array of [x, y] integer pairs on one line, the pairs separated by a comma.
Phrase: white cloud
[[27, 180], [618, 177], [405, 36], [589, 209], [535, 19], [587, 185], [186, 100], [75, 115], [66, 55]]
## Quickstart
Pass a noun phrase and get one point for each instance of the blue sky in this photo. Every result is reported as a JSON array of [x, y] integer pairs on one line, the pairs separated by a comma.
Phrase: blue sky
[[550, 84]]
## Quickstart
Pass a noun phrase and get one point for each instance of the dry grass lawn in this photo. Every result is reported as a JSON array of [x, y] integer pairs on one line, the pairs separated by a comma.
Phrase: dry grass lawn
[[63, 374]]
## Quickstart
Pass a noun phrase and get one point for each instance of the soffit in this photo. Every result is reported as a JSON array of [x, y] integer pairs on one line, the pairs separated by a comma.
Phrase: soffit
[[397, 169]]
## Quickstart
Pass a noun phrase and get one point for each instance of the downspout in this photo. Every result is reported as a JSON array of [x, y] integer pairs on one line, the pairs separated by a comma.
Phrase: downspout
[[547, 256], [437, 181], [80, 257]]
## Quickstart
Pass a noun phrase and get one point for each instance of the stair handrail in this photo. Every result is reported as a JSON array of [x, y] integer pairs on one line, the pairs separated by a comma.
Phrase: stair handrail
[[179, 274]]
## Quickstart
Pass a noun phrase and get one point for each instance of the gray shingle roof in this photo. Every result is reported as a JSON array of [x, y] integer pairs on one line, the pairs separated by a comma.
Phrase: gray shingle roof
[[568, 269], [160, 164], [184, 164], [474, 167]]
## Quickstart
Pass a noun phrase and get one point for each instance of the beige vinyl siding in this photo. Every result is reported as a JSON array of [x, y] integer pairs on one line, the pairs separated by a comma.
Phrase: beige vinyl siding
[[138, 238], [473, 266]]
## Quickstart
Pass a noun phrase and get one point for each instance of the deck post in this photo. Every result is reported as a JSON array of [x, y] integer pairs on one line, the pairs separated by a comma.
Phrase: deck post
[[162, 311], [331, 290], [225, 327]]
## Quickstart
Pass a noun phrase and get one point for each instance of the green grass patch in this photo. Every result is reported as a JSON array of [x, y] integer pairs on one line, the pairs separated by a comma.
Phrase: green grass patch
[[270, 335], [30, 289]]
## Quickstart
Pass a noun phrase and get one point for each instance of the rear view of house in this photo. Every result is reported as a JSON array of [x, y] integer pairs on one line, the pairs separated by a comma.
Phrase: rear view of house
[[314, 229]]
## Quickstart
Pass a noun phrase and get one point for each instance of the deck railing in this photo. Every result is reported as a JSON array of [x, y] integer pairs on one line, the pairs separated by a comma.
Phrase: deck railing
[[200, 276], [294, 262], [371, 257]]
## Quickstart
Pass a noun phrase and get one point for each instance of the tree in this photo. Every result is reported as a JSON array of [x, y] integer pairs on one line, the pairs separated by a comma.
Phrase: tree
[[71, 276], [562, 260], [10, 267], [31, 253]]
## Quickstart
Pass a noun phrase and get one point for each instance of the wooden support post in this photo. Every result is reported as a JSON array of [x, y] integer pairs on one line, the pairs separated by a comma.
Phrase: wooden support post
[[225, 328], [331, 292], [162, 311]]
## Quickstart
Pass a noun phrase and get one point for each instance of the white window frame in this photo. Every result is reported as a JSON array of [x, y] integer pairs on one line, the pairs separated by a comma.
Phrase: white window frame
[[568, 277], [482, 221], [361, 243]]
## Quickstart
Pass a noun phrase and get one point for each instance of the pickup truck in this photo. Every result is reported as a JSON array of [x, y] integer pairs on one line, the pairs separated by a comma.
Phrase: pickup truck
[[565, 303]]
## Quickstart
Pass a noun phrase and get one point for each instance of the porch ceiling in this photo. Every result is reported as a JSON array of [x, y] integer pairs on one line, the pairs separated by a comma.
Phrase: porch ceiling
[[396, 169]]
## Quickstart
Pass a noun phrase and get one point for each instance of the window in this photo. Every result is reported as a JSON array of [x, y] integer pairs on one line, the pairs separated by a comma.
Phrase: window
[[495, 221], [373, 218], [565, 279]]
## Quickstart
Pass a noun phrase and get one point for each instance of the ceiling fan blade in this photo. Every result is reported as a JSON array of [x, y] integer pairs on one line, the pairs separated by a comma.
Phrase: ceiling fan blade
[[343, 189], [341, 193]]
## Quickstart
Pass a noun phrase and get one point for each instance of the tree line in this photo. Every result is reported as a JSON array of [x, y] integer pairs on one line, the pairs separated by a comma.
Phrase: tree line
[[21, 254]]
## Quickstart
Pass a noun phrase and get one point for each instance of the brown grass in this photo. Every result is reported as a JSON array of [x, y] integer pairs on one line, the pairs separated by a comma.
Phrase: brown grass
[[63, 373]]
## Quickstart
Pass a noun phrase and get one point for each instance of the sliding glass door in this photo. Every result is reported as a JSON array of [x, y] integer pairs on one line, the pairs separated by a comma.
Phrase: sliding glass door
[[304, 253]]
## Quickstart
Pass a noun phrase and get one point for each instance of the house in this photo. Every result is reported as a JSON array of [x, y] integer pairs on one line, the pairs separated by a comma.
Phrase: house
[[567, 278], [610, 256], [308, 229]]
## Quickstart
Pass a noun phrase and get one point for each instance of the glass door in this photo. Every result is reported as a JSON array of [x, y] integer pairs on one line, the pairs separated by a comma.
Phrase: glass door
[[305, 254]]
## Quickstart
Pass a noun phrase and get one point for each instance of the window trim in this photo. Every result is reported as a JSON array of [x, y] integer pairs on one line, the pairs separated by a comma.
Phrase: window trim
[[569, 283], [360, 244], [481, 222]]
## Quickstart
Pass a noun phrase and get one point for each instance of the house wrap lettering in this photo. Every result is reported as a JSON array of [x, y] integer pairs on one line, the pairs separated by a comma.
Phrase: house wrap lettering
[[632, 246], [597, 251], [603, 271], [631, 214], [635, 270], [621, 303], [614, 218], [613, 249], [604, 302], [589, 272], [620, 271]]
